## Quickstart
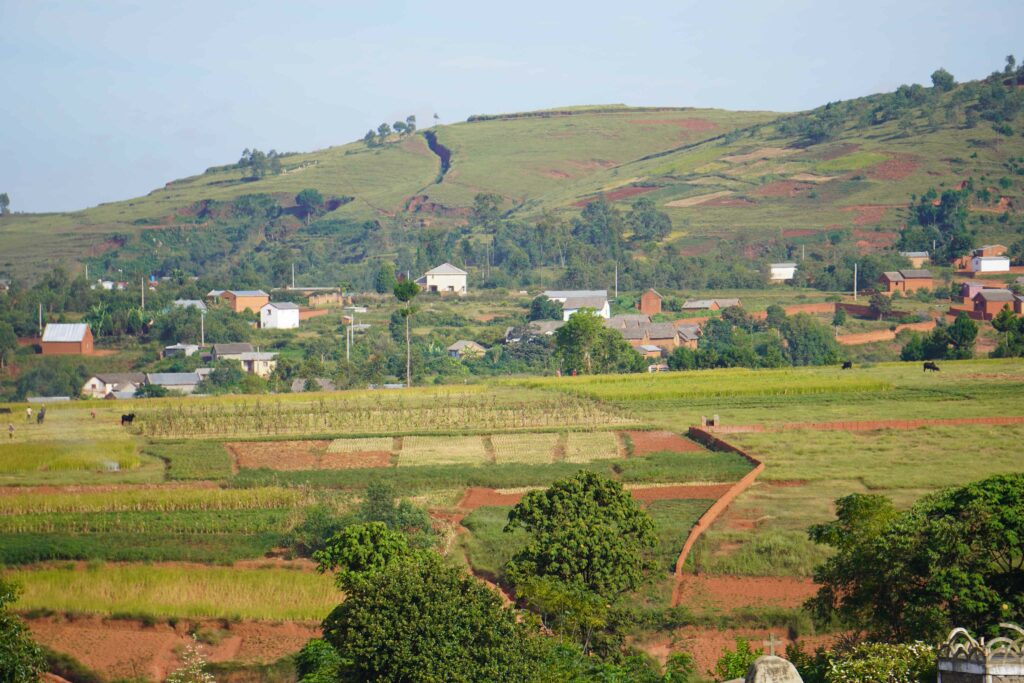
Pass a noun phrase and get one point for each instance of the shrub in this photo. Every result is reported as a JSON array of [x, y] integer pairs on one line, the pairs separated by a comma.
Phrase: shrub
[[735, 663], [883, 663]]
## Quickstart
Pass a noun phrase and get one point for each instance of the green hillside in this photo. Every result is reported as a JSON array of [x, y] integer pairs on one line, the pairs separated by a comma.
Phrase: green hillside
[[841, 173]]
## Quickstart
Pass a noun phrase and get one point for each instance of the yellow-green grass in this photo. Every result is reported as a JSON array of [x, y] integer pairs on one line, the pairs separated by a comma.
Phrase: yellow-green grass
[[185, 592], [439, 450], [59, 456], [850, 162], [589, 446], [169, 498], [380, 443], [525, 448], [924, 458]]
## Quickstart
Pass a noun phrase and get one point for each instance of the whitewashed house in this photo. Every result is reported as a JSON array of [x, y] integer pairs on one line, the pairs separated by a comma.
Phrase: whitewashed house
[[574, 301], [279, 315], [990, 264], [446, 278], [101, 386], [781, 272]]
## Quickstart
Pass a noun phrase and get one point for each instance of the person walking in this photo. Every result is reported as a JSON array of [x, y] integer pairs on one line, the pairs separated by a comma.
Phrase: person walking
[[10, 429]]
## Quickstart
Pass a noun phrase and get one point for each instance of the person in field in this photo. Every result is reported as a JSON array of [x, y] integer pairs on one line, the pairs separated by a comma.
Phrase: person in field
[[28, 414], [10, 429]]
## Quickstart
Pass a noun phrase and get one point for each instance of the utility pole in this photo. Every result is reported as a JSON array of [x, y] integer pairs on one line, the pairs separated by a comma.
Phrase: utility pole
[[40, 320], [202, 328], [616, 279], [293, 275], [143, 281], [854, 281], [803, 251], [86, 272]]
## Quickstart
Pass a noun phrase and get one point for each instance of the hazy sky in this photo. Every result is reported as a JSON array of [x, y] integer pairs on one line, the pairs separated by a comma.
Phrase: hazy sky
[[108, 100]]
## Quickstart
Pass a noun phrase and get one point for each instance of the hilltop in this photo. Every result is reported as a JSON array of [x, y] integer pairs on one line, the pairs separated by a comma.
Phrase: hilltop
[[761, 182]]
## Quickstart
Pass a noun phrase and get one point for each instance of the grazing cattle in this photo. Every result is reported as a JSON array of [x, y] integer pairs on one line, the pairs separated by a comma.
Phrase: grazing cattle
[[40, 416], [930, 366], [847, 365], [5, 411], [127, 419]]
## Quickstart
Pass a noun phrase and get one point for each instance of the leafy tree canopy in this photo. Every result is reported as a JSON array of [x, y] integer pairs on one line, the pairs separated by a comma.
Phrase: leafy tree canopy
[[21, 660]]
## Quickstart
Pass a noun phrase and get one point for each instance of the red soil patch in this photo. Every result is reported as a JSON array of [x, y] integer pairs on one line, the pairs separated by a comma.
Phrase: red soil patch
[[478, 497], [127, 649], [896, 167], [278, 455], [553, 173], [616, 195], [106, 245], [696, 249], [355, 460], [687, 124], [869, 213], [799, 232], [782, 188], [653, 442], [733, 592], [707, 645]]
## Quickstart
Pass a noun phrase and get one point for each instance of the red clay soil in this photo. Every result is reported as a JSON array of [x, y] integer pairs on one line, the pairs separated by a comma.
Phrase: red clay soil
[[733, 592], [681, 492], [897, 167], [615, 195], [278, 455], [782, 188], [707, 645], [127, 649], [355, 460], [653, 442], [478, 497], [687, 124]]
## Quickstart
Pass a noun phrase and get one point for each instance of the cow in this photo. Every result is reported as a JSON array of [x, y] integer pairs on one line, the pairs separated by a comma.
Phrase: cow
[[40, 416], [127, 419], [5, 411], [928, 365], [847, 365]]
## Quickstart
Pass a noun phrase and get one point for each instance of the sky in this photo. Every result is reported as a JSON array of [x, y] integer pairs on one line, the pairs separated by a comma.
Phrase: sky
[[108, 100]]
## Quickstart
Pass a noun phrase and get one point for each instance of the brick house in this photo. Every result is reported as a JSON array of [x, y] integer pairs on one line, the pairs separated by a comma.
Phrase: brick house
[[62, 339], [650, 302], [988, 302], [905, 281], [240, 300]]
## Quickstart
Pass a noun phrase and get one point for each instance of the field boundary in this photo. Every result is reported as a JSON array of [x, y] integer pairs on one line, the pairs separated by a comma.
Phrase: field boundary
[[867, 425], [712, 442]]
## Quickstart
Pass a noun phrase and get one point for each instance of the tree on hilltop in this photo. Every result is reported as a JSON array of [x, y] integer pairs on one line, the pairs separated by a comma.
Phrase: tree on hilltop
[[310, 202], [5, 203], [943, 80]]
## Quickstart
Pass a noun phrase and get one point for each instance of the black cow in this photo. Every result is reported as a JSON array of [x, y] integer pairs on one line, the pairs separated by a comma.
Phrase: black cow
[[928, 365], [127, 419], [5, 411], [847, 365], [40, 416]]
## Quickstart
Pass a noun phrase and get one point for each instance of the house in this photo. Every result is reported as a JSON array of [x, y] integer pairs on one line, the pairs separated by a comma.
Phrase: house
[[650, 302], [663, 335], [63, 338], [1018, 304], [651, 351], [279, 315], [988, 302], [574, 301], [321, 384], [989, 250], [190, 303], [990, 264], [180, 349], [466, 348], [905, 281], [240, 300], [689, 335], [446, 278], [179, 382], [259, 363], [781, 272], [231, 351], [709, 304], [101, 386], [916, 258]]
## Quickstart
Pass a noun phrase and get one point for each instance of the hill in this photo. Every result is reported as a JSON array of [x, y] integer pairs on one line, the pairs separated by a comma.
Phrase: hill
[[763, 182]]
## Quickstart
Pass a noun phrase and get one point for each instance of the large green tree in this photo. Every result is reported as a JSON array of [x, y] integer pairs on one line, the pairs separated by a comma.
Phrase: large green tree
[[384, 281], [420, 619], [586, 346], [585, 531], [21, 660], [8, 343], [310, 202], [5, 203], [956, 558]]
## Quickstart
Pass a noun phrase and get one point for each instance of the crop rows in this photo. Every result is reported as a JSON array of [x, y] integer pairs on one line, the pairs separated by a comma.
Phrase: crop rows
[[161, 500], [446, 414], [63, 456], [245, 522]]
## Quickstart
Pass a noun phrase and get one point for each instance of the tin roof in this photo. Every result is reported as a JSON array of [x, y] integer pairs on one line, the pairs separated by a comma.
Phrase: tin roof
[[445, 269], [575, 303], [283, 305], [173, 379], [994, 295], [916, 274], [248, 292], [65, 332]]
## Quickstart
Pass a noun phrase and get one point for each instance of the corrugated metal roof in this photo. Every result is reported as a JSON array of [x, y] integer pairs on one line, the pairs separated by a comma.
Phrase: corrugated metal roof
[[466, 344], [65, 332], [249, 292], [992, 258], [995, 295], [446, 269], [661, 331], [231, 348], [175, 379], [283, 305], [699, 303], [257, 355], [893, 276], [122, 378], [576, 303], [914, 254], [650, 348], [575, 293], [190, 303], [916, 274]]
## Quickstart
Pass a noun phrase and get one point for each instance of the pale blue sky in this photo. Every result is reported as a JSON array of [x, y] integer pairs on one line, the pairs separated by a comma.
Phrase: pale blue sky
[[108, 100]]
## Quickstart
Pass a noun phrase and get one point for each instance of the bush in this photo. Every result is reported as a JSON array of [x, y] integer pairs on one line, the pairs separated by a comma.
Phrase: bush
[[875, 662], [735, 663]]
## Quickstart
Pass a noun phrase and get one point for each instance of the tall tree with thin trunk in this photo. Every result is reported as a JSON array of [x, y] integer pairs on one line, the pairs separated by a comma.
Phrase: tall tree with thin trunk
[[405, 292]]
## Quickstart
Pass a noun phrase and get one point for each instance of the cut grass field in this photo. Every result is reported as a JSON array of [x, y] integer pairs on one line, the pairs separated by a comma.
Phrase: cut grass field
[[149, 499], [525, 448], [419, 451], [184, 592]]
